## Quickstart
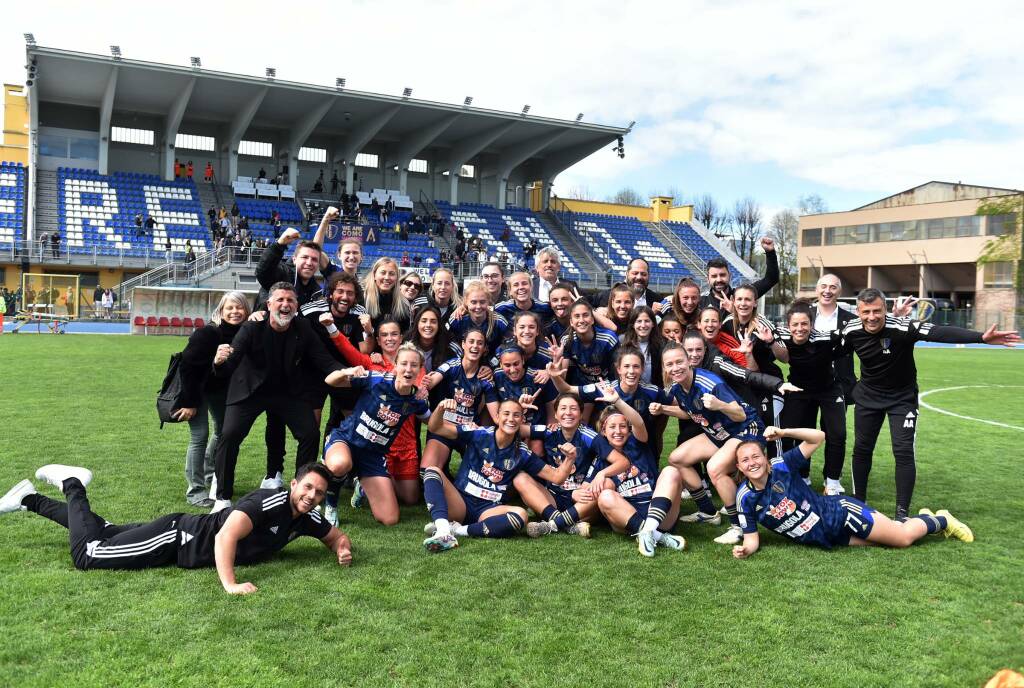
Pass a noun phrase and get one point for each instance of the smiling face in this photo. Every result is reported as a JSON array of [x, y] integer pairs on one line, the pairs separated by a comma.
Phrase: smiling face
[[709, 324], [473, 346], [510, 417], [511, 363], [385, 276], [443, 286], [827, 290], [744, 301], [872, 314], [638, 276], [411, 286], [752, 462], [560, 301], [476, 303], [306, 494], [427, 326], [671, 331], [283, 306], [799, 327], [643, 326], [616, 430], [676, 364], [389, 337], [581, 319], [343, 297], [526, 331], [568, 413], [718, 278], [621, 304], [548, 267], [695, 349], [233, 313], [630, 370], [350, 254], [689, 298], [407, 368], [520, 287], [491, 277], [307, 262]]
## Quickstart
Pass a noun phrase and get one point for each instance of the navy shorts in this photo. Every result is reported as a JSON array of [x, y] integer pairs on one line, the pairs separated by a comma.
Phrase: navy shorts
[[365, 463], [752, 432], [563, 499], [858, 520], [475, 507]]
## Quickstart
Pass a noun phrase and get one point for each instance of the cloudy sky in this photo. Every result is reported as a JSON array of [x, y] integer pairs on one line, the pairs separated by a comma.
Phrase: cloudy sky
[[849, 100]]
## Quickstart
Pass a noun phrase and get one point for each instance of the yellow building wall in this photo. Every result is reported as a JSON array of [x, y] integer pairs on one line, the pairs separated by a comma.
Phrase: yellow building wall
[[680, 213], [108, 277], [642, 213], [14, 143]]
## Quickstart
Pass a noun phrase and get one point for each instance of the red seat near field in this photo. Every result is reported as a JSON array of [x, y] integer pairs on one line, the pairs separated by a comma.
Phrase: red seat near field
[[164, 323], [186, 322], [139, 322], [176, 324], [200, 323]]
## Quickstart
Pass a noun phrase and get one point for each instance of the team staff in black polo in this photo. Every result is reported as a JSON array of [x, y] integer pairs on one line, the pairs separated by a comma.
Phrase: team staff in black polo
[[888, 385], [264, 362], [261, 524]]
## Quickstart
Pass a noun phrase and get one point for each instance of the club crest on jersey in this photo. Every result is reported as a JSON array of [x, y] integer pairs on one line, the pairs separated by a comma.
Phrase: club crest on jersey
[[778, 487], [390, 418], [463, 398], [508, 464], [491, 473], [886, 342], [783, 508]]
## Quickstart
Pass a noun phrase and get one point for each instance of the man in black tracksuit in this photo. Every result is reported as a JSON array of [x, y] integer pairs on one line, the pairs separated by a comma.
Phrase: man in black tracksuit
[[719, 277], [261, 524], [888, 385]]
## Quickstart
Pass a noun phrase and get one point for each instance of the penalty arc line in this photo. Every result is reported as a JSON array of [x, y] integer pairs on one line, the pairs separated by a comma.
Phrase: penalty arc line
[[957, 415]]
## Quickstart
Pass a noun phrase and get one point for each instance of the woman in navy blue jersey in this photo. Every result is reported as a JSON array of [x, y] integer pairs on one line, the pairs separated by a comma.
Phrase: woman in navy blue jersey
[[526, 330], [475, 313], [638, 501], [459, 379], [473, 504]]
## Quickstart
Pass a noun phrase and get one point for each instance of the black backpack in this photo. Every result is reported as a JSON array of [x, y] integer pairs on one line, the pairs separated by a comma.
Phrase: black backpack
[[168, 400]]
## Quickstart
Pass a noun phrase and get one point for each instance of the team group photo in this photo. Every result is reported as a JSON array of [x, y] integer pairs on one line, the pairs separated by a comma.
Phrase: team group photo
[[530, 412]]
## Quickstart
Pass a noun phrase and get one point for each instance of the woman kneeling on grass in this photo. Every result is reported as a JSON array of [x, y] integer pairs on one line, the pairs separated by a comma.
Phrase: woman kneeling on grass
[[492, 459], [638, 501], [775, 496]]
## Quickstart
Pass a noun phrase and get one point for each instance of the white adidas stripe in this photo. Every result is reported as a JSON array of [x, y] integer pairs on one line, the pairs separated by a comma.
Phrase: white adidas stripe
[[275, 501], [136, 549]]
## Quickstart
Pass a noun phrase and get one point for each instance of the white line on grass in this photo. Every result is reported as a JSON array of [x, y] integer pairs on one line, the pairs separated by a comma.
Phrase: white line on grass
[[957, 415]]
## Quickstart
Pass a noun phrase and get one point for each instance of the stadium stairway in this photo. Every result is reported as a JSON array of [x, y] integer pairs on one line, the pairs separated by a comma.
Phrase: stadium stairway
[[46, 202], [682, 252]]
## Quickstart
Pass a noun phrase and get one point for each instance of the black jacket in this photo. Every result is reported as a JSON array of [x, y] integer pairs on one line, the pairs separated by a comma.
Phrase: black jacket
[[844, 366], [600, 298], [248, 365], [197, 358], [272, 268], [762, 286]]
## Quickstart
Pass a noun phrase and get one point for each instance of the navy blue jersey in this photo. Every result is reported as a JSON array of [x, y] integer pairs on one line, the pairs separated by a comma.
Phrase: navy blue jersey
[[379, 413], [555, 329], [536, 361], [639, 400], [583, 439], [790, 507], [636, 483], [487, 470], [594, 361], [457, 326], [716, 424], [508, 309], [466, 391], [506, 388]]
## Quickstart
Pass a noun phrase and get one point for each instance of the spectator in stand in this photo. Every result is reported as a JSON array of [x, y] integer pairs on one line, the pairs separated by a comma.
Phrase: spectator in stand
[[190, 255], [235, 214], [177, 169], [318, 185], [212, 214], [97, 301], [150, 224], [208, 172], [243, 223], [189, 170], [405, 259], [138, 224], [403, 233], [55, 244], [226, 228], [376, 211], [108, 303], [168, 252], [262, 177], [460, 234], [334, 183]]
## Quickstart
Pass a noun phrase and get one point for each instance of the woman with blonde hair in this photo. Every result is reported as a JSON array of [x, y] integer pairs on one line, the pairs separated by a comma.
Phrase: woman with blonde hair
[[204, 393], [381, 295], [443, 294], [475, 313]]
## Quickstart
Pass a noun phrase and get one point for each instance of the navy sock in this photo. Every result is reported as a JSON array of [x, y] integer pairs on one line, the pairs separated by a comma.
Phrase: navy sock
[[634, 524], [500, 526], [934, 523], [658, 510], [565, 519], [548, 513], [702, 498], [734, 518], [433, 495]]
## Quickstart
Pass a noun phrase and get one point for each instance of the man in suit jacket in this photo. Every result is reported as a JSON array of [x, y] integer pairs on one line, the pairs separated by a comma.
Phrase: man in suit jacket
[[545, 276], [638, 274], [265, 363]]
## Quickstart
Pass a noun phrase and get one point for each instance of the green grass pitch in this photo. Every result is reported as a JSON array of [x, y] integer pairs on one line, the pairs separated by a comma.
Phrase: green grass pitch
[[554, 612]]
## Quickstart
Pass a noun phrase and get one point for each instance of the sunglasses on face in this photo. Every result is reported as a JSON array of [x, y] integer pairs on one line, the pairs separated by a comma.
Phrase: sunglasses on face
[[410, 283]]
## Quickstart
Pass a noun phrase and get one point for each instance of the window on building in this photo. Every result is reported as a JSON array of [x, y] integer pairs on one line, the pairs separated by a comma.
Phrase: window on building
[[850, 234], [811, 237], [54, 146], [808, 279], [998, 225], [195, 142], [257, 149], [367, 160], [998, 275], [141, 137], [84, 149], [308, 154], [417, 165], [468, 171]]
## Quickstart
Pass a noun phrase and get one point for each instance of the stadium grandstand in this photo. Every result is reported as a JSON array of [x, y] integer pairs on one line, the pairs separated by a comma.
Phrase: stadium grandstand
[[129, 168]]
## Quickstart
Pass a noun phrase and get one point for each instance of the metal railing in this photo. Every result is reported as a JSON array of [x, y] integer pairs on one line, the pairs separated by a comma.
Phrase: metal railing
[[690, 258], [44, 252], [565, 220]]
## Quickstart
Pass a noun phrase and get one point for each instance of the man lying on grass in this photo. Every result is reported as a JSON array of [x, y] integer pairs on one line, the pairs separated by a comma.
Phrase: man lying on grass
[[775, 496], [260, 524]]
